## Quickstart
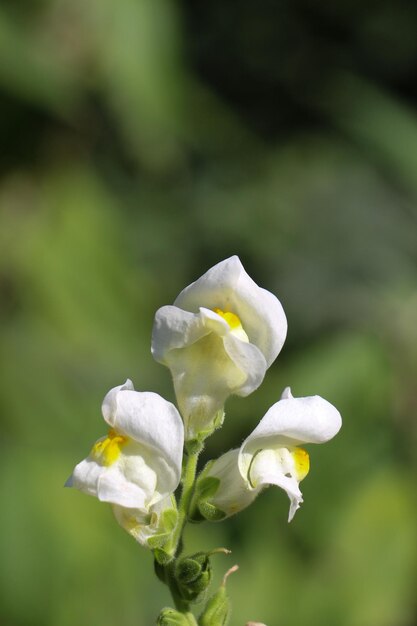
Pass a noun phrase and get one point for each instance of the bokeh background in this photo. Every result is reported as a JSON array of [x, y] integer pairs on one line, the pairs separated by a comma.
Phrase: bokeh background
[[141, 142]]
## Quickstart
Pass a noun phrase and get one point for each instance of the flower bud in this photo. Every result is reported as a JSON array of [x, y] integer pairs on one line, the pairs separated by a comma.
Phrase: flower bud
[[217, 610], [193, 576], [171, 617]]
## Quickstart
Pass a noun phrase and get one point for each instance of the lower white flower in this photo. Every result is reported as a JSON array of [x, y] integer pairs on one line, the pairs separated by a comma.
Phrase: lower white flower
[[271, 454], [138, 463]]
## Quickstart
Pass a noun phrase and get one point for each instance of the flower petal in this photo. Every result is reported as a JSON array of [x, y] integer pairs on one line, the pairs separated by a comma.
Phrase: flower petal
[[248, 359], [131, 480], [140, 525], [109, 405], [207, 360], [289, 422], [113, 487], [174, 328], [275, 467], [227, 286], [152, 421]]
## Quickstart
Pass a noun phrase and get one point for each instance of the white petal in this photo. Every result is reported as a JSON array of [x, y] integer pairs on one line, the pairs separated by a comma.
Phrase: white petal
[[227, 286], [286, 394], [204, 376], [152, 421], [276, 467], [174, 328], [109, 405], [234, 493], [129, 481], [140, 525], [85, 477], [289, 422], [248, 359], [113, 487], [214, 322], [207, 361]]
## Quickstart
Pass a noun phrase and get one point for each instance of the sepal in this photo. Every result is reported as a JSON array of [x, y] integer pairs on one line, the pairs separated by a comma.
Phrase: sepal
[[167, 524], [196, 444], [210, 512], [171, 617], [163, 558], [206, 487]]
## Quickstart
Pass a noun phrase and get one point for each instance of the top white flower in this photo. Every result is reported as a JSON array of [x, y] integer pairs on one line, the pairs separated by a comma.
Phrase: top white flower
[[218, 339]]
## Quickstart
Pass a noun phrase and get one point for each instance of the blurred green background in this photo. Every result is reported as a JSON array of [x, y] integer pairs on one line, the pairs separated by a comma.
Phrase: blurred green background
[[141, 142]]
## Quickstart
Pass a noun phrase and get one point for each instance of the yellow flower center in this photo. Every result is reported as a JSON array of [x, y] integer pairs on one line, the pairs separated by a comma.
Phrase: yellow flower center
[[107, 450], [301, 462], [234, 323]]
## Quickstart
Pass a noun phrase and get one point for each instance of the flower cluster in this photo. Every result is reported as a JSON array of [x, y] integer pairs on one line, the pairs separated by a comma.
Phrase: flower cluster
[[218, 339]]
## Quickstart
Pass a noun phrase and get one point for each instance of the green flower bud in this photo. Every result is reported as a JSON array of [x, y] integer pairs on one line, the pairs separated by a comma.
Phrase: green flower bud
[[193, 575], [217, 610], [171, 617]]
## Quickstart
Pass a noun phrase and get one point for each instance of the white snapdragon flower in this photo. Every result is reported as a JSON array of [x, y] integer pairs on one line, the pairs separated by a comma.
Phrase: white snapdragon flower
[[138, 463], [218, 339], [271, 454]]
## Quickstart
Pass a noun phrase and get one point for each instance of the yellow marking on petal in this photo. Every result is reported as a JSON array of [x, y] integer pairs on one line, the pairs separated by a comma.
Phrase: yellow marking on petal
[[106, 451], [231, 318], [301, 462], [234, 323]]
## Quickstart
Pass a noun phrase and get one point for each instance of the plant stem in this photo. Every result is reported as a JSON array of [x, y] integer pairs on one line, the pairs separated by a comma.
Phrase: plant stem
[[188, 481]]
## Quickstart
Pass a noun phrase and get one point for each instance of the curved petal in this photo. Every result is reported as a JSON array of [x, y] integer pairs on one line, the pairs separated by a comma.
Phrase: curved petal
[[129, 481], [137, 523], [113, 487], [227, 286], [174, 328], [214, 322], [152, 421], [109, 405], [85, 477], [275, 467], [248, 359], [143, 526], [289, 422]]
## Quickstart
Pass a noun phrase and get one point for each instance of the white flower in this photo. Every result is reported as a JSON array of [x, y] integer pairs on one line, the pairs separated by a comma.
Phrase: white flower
[[138, 463], [271, 454], [218, 339]]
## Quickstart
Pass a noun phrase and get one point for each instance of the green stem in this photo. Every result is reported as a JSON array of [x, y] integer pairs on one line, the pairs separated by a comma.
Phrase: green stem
[[188, 481]]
